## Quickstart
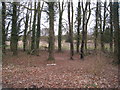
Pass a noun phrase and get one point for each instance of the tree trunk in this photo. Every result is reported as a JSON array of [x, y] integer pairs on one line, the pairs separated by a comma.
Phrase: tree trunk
[[100, 21], [83, 31], [96, 28], [83, 37], [59, 34], [104, 23], [33, 31], [78, 28], [111, 29], [29, 32], [117, 30], [25, 32], [71, 33], [51, 31], [38, 29], [3, 26], [87, 20], [71, 30], [60, 27], [14, 35]]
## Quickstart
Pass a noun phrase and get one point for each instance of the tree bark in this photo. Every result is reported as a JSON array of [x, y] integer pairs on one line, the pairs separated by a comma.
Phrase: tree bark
[[83, 37], [3, 26], [51, 31], [71, 33], [83, 31], [33, 31], [71, 30], [117, 31], [29, 31], [96, 28], [14, 35], [25, 31], [111, 29], [100, 21], [104, 23], [86, 24], [38, 29], [60, 28], [78, 28]]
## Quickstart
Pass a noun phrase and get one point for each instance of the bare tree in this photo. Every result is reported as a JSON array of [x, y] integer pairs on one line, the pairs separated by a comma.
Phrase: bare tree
[[88, 14], [14, 32], [3, 26], [25, 31], [70, 21], [104, 24], [96, 26], [61, 9], [38, 27], [111, 28], [29, 31], [78, 27], [51, 30], [117, 30], [83, 29], [33, 30]]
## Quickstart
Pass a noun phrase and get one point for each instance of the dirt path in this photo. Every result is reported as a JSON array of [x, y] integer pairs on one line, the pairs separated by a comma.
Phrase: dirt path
[[25, 70]]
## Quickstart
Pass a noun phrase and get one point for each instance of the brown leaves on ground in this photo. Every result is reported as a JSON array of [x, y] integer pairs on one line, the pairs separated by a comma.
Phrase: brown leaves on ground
[[95, 71]]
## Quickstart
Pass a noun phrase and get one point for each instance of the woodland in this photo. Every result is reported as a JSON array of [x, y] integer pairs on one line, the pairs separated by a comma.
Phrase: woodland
[[60, 44]]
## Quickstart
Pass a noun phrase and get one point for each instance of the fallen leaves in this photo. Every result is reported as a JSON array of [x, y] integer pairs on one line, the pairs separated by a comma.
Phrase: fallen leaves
[[63, 74]]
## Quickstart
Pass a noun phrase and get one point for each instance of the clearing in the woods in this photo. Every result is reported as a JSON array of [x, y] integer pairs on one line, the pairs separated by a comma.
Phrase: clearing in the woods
[[95, 71]]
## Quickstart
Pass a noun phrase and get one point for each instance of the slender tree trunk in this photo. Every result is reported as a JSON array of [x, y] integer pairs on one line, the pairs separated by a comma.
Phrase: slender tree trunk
[[69, 19], [86, 25], [111, 29], [71, 34], [117, 31], [33, 31], [3, 26], [83, 37], [83, 31], [29, 32], [38, 27], [51, 31], [78, 28], [59, 34], [104, 23], [60, 27], [116, 24], [25, 32], [71, 30], [14, 35], [100, 21], [6, 30], [96, 27]]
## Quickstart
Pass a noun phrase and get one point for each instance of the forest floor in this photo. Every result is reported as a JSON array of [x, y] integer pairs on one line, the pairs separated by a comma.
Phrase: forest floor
[[22, 71]]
